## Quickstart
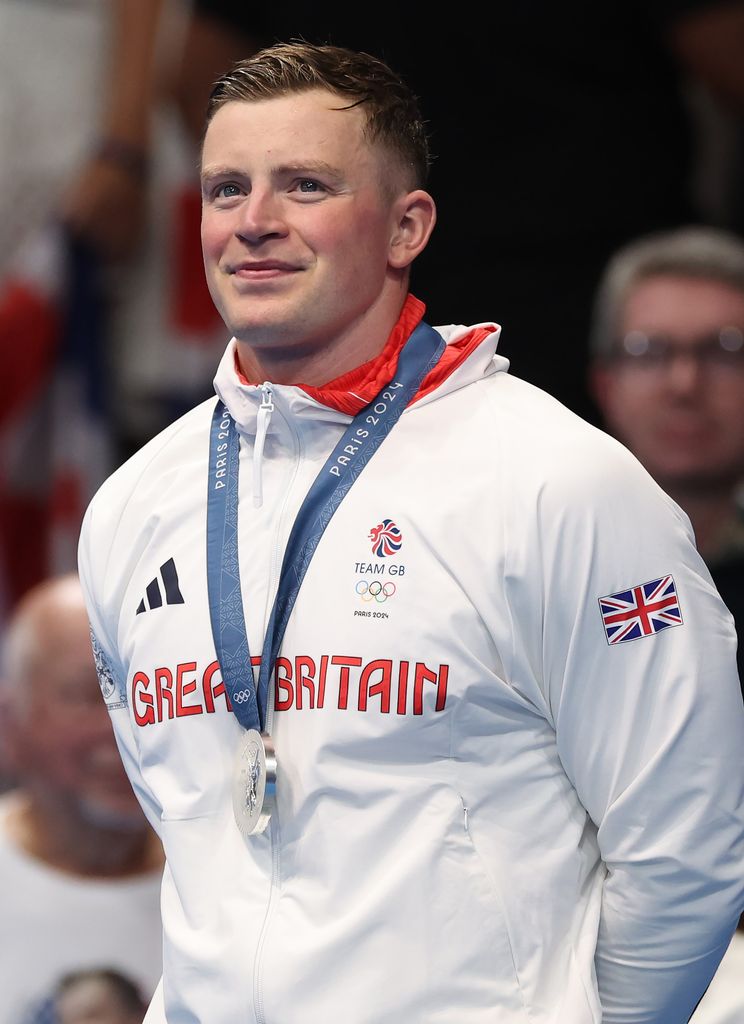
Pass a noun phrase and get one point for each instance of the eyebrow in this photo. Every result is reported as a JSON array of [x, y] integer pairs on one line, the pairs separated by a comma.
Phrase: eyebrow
[[311, 167], [308, 168]]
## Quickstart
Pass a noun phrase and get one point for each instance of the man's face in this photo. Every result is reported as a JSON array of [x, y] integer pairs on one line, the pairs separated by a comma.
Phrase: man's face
[[297, 221], [61, 740], [682, 412]]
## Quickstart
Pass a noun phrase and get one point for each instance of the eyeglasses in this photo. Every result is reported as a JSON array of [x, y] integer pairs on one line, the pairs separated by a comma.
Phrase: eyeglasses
[[719, 351]]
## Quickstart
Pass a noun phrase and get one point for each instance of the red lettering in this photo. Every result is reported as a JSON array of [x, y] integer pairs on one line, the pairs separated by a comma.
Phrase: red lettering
[[381, 688], [425, 675], [343, 684], [322, 679], [402, 687], [183, 688], [141, 683], [164, 691], [210, 691], [442, 688], [300, 683], [304, 664], [283, 683]]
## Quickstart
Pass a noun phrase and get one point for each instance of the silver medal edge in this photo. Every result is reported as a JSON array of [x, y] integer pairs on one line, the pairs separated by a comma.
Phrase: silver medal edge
[[257, 822]]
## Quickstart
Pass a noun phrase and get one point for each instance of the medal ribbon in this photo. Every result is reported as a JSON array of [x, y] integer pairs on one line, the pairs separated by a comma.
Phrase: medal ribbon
[[360, 441]]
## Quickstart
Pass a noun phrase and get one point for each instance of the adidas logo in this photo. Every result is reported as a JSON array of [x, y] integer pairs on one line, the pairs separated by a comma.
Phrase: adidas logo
[[153, 593]]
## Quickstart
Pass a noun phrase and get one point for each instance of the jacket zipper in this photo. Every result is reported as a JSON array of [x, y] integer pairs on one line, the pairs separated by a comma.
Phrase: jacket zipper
[[262, 425], [274, 828]]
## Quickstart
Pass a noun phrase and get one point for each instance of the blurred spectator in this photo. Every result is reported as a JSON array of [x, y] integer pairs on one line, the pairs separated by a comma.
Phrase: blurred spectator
[[75, 119], [668, 375], [560, 131], [99, 997], [76, 97], [101, 282], [80, 868]]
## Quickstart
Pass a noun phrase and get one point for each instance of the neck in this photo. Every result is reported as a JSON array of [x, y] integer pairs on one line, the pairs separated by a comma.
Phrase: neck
[[712, 513], [315, 360], [50, 832]]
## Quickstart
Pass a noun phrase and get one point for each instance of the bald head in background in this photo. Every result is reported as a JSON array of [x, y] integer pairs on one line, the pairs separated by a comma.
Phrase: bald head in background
[[78, 811], [99, 997]]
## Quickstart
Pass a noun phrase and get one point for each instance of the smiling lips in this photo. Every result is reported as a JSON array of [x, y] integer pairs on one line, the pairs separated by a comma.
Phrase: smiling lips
[[262, 269]]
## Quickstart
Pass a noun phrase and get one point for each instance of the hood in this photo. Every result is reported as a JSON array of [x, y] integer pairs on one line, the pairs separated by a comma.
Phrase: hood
[[470, 355]]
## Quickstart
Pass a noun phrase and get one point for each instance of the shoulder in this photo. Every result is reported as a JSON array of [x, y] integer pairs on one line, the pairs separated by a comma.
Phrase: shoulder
[[155, 467], [126, 505], [553, 446], [567, 485]]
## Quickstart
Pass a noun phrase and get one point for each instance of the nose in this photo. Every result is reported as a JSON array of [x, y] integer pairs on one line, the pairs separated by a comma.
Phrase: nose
[[685, 373], [260, 217]]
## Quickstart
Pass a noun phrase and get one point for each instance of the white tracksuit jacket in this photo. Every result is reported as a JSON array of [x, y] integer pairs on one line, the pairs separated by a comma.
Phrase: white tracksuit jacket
[[487, 813]]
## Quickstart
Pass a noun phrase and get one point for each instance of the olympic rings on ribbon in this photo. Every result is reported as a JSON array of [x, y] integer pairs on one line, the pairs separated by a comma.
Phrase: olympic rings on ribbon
[[241, 696], [375, 590]]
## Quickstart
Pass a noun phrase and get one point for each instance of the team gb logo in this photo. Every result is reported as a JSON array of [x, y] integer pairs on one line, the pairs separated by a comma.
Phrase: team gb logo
[[386, 538]]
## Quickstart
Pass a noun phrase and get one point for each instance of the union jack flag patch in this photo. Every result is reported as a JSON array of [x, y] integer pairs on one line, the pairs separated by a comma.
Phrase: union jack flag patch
[[640, 611]]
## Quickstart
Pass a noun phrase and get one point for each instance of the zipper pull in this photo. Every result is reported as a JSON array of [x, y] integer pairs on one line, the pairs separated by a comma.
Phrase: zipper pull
[[266, 398], [262, 425]]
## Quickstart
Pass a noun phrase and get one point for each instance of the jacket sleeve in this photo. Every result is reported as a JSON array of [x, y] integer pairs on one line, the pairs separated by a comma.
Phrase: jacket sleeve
[[97, 539], [650, 731]]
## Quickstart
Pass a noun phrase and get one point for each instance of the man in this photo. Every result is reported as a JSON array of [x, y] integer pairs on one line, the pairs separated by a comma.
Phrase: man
[[597, 84], [80, 867], [455, 791], [668, 375]]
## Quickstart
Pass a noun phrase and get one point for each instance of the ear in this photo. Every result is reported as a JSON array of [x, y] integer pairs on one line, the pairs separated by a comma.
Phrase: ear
[[414, 217]]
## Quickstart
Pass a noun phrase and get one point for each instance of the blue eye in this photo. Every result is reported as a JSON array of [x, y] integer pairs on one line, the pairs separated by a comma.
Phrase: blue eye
[[308, 186], [227, 191]]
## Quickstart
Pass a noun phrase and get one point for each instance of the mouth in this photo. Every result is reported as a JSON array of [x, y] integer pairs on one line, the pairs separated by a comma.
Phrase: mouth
[[686, 432], [258, 270]]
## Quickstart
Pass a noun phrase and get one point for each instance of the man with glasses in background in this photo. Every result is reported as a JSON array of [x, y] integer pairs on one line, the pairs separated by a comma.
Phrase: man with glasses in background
[[668, 376]]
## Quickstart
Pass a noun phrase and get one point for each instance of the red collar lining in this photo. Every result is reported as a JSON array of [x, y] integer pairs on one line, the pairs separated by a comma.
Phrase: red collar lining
[[350, 392]]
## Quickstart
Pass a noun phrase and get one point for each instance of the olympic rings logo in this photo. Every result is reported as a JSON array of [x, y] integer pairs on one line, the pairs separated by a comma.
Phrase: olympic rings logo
[[375, 591], [241, 696]]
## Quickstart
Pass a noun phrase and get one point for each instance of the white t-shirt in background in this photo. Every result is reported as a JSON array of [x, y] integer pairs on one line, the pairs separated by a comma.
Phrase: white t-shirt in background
[[52, 923]]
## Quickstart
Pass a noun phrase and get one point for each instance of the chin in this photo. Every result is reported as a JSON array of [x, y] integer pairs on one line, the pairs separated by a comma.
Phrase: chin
[[254, 326]]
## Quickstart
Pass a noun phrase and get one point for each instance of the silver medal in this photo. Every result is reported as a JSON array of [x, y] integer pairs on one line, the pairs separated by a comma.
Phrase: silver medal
[[254, 785]]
